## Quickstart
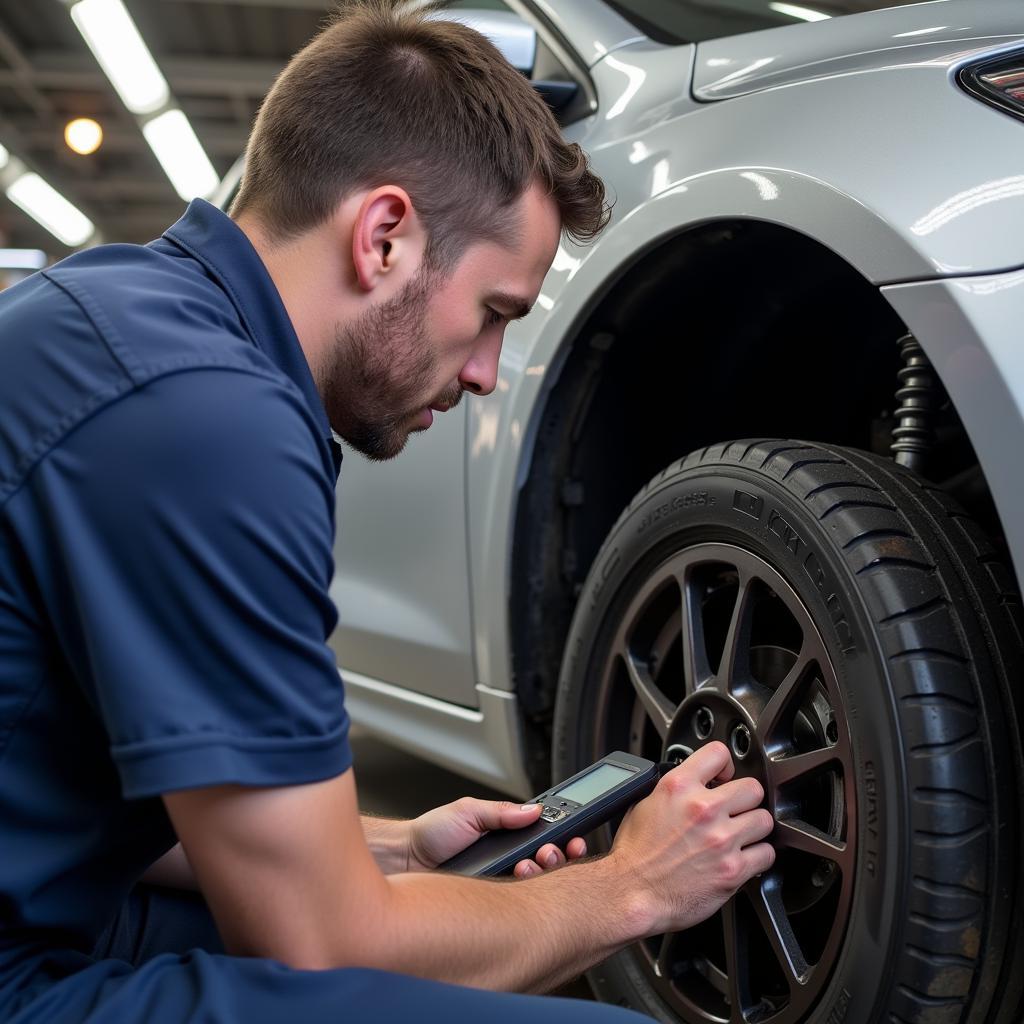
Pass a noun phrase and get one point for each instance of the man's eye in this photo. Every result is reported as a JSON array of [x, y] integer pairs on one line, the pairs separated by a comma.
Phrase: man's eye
[[493, 317]]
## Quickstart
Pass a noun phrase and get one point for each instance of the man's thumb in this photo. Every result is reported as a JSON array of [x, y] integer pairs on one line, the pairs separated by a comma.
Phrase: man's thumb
[[505, 814]]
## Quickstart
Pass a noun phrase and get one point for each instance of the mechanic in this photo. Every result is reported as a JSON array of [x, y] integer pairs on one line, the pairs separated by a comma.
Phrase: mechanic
[[167, 476]]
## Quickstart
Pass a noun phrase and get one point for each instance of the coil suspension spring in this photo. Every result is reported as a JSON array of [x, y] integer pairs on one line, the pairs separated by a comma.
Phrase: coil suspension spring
[[919, 396]]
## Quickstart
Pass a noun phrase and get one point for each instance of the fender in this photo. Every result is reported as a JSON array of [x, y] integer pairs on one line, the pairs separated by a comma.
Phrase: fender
[[500, 432]]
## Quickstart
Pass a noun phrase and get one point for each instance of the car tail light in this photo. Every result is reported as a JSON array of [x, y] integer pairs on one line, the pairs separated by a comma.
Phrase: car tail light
[[998, 82]]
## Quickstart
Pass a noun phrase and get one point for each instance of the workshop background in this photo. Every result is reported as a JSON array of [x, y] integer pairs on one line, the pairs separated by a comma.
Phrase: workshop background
[[203, 64]]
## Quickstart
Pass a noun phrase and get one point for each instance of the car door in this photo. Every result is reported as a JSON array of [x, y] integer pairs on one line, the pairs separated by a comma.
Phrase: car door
[[401, 581]]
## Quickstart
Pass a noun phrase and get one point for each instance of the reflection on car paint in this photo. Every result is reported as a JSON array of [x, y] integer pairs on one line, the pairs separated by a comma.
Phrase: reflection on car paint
[[635, 78], [968, 200]]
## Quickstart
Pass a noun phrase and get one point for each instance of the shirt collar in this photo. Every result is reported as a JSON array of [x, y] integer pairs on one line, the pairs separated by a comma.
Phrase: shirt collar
[[216, 241]]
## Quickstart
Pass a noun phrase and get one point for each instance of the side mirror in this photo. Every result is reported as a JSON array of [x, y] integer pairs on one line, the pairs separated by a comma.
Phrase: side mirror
[[516, 40]]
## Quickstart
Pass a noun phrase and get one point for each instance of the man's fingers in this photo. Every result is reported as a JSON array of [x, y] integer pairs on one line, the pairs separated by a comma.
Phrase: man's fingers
[[740, 795], [525, 868], [576, 848], [758, 858], [549, 856], [710, 763], [754, 826]]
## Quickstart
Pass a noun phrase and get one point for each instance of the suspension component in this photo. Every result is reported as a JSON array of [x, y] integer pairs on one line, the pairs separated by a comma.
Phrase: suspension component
[[919, 396]]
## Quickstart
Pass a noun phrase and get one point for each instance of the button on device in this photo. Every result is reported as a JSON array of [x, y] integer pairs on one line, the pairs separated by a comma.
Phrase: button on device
[[552, 813]]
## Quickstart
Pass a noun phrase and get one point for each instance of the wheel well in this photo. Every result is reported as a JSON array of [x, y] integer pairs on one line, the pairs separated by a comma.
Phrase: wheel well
[[730, 330]]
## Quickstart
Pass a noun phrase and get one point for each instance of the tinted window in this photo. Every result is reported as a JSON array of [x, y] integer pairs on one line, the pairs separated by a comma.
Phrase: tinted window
[[693, 21]]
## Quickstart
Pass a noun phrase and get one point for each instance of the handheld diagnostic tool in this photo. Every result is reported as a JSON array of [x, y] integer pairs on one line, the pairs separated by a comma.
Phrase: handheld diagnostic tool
[[572, 808]]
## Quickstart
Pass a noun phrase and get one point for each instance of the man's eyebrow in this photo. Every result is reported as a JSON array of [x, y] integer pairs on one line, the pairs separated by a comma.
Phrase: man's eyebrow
[[514, 307]]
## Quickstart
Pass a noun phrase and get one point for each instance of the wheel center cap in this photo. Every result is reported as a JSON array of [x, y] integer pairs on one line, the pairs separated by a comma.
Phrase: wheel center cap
[[709, 715]]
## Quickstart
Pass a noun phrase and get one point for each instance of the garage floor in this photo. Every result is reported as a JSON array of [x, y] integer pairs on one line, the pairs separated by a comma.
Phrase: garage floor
[[399, 785]]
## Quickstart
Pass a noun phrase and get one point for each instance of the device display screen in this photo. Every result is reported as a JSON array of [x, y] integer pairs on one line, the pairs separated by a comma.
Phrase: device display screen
[[599, 781]]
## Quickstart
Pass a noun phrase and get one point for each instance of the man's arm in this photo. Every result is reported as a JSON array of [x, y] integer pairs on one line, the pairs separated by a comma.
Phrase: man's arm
[[387, 839], [415, 844], [289, 875], [388, 842]]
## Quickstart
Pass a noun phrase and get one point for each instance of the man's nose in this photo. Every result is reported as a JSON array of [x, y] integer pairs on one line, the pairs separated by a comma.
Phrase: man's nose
[[480, 374]]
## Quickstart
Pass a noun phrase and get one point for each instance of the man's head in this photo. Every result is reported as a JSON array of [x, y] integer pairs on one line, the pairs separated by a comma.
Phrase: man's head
[[433, 182]]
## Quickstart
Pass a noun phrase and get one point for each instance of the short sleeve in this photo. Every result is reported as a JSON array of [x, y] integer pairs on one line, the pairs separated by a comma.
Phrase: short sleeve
[[185, 537]]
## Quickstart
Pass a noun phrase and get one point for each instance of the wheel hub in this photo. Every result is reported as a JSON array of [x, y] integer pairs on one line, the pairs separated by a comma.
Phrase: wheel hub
[[708, 715]]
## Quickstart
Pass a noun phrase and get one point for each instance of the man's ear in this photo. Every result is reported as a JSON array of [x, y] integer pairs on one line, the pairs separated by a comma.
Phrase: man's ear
[[387, 239]]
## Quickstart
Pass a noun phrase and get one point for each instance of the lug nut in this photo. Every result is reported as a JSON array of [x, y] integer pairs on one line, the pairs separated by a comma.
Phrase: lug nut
[[678, 752], [740, 741], [703, 722], [832, 733]]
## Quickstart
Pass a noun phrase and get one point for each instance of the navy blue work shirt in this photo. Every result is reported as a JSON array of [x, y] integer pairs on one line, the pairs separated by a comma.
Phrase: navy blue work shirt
[[166, 528]]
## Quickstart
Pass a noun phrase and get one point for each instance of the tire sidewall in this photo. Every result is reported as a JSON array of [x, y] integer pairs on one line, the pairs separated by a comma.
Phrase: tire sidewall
[[729, 504]]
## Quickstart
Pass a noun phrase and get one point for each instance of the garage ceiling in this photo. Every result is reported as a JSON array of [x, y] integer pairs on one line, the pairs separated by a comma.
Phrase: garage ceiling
[[219, 58]]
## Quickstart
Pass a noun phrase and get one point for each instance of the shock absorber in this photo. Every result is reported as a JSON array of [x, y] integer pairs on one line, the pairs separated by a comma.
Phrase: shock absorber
[[919, 396]]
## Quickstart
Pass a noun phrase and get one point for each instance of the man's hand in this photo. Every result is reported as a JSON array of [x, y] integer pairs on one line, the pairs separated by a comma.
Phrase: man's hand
[[692, 847], [449, 829]]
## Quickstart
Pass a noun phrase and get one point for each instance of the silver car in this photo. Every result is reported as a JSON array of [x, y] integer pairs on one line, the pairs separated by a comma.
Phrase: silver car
[[808, 307]]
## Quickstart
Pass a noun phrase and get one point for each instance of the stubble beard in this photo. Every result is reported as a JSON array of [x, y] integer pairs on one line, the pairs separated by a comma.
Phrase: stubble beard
[[380, 366]]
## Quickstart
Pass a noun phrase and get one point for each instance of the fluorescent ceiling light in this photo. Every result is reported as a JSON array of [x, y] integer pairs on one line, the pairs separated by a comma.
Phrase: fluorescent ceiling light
[[45, 204], [803, 13], [183, 159], [111, 34], [5, 157], [22, 259]]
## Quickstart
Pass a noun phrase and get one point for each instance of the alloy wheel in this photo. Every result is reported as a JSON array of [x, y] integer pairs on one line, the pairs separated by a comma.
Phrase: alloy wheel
[[715, 645]]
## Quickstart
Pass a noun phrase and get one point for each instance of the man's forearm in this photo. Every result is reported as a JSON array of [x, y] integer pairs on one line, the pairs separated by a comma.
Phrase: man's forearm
[[529, 935], [388, 840]]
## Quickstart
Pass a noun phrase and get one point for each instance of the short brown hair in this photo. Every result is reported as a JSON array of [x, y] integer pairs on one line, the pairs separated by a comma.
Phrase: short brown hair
[[388, 95]]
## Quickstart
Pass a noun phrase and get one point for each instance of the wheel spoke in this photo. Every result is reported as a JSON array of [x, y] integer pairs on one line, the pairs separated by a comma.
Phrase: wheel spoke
[[789, 689], [785, 769], [663, 964], [735, 664], [696, 670], [767, 899], [737, 963], [799, 835], [658, 707]]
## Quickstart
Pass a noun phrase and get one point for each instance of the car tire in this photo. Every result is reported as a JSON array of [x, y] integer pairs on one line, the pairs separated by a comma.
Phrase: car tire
[[877, 616]]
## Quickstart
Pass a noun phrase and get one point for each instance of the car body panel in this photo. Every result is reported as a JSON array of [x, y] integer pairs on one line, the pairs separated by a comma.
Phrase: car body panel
[[484, 743], [401, 580], [973, 327], [943, 32], [960, 215], [591, 29]]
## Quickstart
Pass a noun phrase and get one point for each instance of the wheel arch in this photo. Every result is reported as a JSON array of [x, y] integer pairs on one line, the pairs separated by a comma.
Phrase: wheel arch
[[596, 434]]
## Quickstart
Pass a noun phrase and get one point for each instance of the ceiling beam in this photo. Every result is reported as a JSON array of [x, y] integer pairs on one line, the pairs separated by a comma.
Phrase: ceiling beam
[[187, 76], [21, 76], [110, 189], [215, 137], [293, 5]]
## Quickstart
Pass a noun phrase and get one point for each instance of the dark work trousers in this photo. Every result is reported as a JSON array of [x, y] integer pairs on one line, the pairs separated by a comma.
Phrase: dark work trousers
[[161, 961]]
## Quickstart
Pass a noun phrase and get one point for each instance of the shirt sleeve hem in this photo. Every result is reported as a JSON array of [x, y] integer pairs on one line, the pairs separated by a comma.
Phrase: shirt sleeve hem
[[151, 769]]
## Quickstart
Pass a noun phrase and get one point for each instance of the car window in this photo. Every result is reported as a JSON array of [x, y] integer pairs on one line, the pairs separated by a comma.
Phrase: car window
[[694, 21]]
